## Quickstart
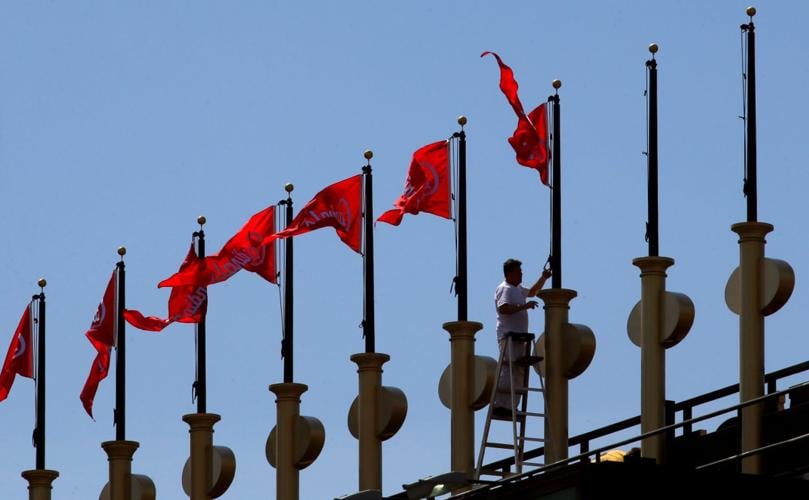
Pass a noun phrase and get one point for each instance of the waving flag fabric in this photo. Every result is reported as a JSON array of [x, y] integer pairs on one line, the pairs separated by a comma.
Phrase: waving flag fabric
[[20, 356], [102, 336], [251, 249], [187, 304], [530, 139], [428, 186], [338, 206]]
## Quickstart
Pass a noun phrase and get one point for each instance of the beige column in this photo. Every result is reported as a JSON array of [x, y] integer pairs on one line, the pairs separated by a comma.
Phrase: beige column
[[751, 337], [201, 431], [556, 424], [288, 404], [119, 454], [462, 434], [369, 368], [39, 483], [653, 353]]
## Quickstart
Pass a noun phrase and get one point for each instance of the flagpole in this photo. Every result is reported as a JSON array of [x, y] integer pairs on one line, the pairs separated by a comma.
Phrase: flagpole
[[751, 177], [39, 434], [652, 231], [368, 256], [202, 374], [556, 193], [120, 357], [287, 345], [461, 282]]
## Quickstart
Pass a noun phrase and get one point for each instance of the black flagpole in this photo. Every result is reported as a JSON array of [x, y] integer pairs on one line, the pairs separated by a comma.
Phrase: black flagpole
[[461, 280], [751, 179], [556, 193], [652, 231], [287, 344], [368, 256], [202, 376], [39, 431], [120, 357]]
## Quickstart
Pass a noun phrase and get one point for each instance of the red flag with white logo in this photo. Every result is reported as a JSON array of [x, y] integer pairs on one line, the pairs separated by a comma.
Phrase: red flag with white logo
[[338, 206], [251, 249], [20, 356], [530, 139], [427, 188], [187, 304], [102, 336]]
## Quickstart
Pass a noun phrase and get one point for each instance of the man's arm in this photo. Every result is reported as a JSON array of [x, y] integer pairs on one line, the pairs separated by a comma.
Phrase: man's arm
[[532, 292], [513, 308]]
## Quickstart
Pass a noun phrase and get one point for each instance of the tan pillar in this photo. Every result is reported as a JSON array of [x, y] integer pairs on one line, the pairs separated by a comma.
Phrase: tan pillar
[[751, 337], [288, 405], [653, 354], [462, 434], [369, 368], [39, 483], [556, 424], [201, 431], [119, 454]]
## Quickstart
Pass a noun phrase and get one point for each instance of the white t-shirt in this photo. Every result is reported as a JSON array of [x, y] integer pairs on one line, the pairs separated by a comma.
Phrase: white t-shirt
[[514, 295]]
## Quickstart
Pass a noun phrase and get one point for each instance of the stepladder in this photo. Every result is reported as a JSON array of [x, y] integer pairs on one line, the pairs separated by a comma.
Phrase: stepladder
[[509, 403]]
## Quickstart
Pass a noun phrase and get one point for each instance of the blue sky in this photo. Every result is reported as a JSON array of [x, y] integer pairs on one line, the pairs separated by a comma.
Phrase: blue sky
[[121, 123]]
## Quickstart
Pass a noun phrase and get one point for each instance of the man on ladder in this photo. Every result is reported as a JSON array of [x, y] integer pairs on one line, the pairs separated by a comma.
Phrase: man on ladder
[[512, 317]]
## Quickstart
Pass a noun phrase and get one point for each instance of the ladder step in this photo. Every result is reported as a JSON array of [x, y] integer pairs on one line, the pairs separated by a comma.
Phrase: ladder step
[[528, 360], [536, 440], [534, 464], [493, 472], [533, 389], [504, 446], [530, 413]]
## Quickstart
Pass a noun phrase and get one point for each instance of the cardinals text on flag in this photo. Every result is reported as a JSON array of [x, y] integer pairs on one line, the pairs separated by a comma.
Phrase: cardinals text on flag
[[338, 206], [250, 249], [20, 356], [187, 303], [428, 186], [530, 139], [102, 336]]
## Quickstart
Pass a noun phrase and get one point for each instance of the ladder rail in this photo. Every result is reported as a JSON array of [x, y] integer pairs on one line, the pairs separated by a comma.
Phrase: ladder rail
[[516, 349]]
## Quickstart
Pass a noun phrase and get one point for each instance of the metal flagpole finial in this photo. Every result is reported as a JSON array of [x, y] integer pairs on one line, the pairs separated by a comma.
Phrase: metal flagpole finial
[[42, 282], [368, 154], [462, 121], [557, 84], [201, 220], [751, 11], [653, 48], [288, 187], [122, 252]]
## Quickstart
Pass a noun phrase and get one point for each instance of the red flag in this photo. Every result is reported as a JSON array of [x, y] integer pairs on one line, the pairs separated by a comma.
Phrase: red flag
[[338, 206], [187, 304], [102, 336], [427, 188], [530, 139], [98, 372], [251, 249], [20, 356]]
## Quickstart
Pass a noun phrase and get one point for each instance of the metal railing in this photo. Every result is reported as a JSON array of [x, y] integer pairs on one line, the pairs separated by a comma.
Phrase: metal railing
[[585, 456], [686, 407]]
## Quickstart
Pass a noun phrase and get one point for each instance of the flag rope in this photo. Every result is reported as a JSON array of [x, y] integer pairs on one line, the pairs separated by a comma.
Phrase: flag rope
[[34, 311], [195, 384], [454, 145], [551, 181], [743, 50], [280, 259]]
